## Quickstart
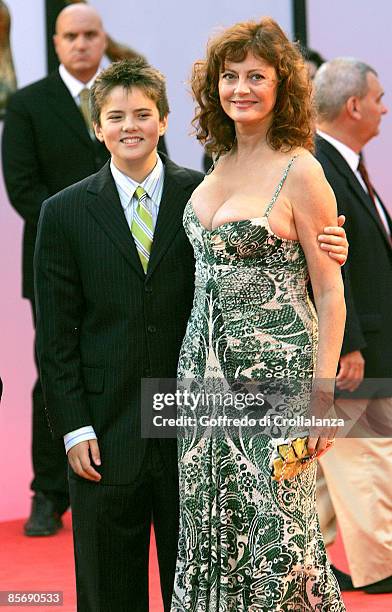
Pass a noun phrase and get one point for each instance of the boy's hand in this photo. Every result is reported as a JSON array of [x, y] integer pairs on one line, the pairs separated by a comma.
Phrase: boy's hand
[[334, 240], [80, 456]]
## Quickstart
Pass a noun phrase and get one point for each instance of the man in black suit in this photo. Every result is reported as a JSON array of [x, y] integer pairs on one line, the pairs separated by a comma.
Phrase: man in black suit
[[358, 470]]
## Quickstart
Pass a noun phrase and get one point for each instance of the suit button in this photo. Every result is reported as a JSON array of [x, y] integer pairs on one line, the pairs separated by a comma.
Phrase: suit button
[[148, 289], [152, 329]]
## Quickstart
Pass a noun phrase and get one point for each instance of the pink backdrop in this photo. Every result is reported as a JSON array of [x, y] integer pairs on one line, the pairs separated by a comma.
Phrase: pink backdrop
[[16, 369], [16, 331]]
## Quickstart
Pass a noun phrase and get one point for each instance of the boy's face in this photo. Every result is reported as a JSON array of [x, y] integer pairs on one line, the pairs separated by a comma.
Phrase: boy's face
[[130, 128]]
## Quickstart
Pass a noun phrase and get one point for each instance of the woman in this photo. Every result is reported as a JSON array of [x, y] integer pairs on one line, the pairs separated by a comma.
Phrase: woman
[[246, 541]]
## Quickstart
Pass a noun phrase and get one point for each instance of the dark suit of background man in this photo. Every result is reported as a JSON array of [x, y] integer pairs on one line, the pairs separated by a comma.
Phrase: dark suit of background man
[[48, 144], [358, 470], [46, 147]]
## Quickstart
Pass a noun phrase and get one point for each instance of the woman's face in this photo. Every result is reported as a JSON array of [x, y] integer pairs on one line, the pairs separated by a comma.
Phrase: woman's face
[[247, 90]]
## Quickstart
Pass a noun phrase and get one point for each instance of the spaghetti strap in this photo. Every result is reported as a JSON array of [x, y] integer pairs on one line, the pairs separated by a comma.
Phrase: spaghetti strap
[[214, 162], [279, 187]]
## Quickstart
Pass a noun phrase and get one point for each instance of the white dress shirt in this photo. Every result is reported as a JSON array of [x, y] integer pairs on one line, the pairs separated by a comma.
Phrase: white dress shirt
[[352, 158], [73, 85], [153, 186]]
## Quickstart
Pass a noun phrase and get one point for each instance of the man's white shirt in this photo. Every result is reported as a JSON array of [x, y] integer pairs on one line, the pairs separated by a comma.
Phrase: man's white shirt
[[73, 85]]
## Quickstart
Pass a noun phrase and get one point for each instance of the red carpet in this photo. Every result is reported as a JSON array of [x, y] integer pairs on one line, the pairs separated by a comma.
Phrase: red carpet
[[40, 564]]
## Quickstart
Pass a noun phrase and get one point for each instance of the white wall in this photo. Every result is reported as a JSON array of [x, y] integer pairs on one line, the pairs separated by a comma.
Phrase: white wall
[[361, 29], [28, 39]]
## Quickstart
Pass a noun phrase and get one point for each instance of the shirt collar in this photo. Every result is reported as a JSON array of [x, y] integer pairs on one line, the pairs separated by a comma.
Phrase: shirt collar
[[73, 85], [127, 186], [351, 157]]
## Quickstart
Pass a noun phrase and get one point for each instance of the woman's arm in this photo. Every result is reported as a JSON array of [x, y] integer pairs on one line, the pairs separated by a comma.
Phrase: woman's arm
[[314, 206]]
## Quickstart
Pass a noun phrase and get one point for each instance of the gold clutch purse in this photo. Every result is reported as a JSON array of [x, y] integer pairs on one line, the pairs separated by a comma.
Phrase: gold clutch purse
[[290, 459]]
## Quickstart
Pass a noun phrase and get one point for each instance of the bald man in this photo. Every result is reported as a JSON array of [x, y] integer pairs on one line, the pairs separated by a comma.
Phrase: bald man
[[48, 145]]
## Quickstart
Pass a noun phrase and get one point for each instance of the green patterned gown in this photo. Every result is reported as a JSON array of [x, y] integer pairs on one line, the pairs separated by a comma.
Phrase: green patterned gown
[[248, 543]]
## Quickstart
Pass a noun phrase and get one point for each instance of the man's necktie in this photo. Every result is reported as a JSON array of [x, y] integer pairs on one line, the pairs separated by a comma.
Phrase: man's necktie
[[365, 177], [142, 228], [85, 109]]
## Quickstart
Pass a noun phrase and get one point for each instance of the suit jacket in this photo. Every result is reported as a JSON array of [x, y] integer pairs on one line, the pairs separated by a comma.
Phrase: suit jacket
[[102, 324], [369, 267], [46, 147]]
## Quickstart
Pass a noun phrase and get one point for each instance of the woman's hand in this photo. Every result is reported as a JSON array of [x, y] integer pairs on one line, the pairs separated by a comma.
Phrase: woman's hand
[[321, 438], [334, 240], [320, 445]]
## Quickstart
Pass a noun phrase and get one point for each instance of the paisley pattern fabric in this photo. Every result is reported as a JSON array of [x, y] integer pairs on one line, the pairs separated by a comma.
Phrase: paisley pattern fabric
[[246, 542]]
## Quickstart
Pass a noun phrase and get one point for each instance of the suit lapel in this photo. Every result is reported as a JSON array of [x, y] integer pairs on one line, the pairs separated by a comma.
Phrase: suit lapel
[[105, 206], [344, 169], [176, 191], [62, 103]]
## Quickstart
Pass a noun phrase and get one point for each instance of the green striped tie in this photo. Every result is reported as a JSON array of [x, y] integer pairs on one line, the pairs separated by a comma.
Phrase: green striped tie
[[142, 228], [85, 109]]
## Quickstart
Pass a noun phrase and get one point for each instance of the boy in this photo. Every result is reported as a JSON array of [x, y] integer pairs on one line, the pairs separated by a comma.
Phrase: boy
[[114, 283]]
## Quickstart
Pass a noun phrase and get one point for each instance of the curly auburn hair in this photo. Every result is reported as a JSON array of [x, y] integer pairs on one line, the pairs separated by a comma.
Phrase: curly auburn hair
[[293, 116]]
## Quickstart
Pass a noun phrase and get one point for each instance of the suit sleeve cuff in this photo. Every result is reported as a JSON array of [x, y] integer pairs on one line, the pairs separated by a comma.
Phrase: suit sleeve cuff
[[78, 435]]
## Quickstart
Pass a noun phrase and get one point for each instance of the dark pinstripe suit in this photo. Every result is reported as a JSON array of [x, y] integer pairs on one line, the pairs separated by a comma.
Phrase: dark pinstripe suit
[[102, 325]]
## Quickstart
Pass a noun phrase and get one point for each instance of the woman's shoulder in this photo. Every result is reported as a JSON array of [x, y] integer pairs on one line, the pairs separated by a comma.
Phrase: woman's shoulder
[[305, 167], [308, 180], [305, 161]]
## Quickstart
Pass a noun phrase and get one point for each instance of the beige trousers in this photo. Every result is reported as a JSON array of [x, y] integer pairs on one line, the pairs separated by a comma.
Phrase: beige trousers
[[358, 491]]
